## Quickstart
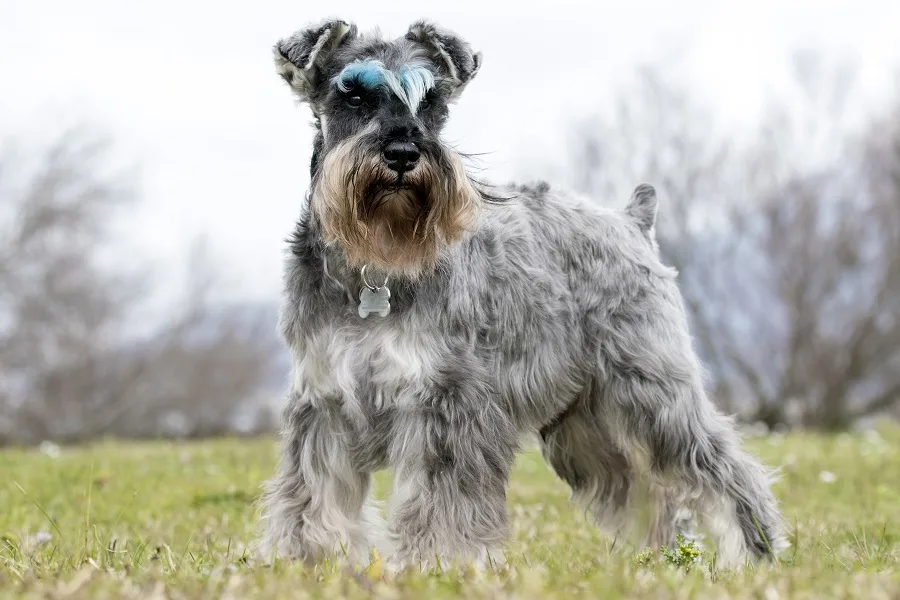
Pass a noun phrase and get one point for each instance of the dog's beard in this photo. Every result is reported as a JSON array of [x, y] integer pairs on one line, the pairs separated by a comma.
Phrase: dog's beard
[[397, 224]]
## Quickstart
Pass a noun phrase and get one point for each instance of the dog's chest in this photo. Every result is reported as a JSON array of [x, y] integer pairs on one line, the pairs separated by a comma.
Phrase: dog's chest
[[366, 368]]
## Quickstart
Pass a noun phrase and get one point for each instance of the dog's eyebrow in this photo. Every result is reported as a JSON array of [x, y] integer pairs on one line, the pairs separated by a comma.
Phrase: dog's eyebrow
[[369, 74], [415, 81], [410, 83]]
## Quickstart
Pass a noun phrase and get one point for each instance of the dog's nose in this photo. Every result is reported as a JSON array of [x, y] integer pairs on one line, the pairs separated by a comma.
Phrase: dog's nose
[[401, 156]]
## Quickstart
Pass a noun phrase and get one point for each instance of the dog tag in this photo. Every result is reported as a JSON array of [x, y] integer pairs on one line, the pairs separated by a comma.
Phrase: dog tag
[[377, 301]]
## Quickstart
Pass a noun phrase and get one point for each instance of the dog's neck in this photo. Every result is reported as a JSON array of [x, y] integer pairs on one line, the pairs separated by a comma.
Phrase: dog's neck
[[327, 263]]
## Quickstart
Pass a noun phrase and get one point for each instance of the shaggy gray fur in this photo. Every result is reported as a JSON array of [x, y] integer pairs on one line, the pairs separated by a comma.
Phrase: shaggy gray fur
[[553, 317]]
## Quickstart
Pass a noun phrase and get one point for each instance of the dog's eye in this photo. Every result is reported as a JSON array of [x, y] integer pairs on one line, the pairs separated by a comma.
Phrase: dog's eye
[[355, 100]]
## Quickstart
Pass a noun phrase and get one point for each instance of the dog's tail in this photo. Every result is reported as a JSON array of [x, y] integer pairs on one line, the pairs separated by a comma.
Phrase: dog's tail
[[642, 208]]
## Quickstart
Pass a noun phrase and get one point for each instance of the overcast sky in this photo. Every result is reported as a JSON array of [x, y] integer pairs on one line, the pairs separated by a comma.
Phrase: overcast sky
[[189, 90]]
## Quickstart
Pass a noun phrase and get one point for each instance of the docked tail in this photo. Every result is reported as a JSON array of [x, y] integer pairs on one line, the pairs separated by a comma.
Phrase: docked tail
[[642, 208]]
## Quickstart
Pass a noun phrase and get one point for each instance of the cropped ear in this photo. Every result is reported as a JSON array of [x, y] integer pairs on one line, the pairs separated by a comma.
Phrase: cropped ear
[[300, 58], [452, 54]]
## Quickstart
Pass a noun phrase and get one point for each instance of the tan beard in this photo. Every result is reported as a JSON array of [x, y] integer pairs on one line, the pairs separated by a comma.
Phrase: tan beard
[[397, 230]]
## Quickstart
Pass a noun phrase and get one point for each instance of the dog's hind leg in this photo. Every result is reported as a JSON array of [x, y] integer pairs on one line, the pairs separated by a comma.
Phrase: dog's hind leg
[[695, 459], [316, 505], [653, 390]]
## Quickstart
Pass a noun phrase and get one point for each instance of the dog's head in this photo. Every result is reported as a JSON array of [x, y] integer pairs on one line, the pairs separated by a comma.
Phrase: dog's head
[[384, 186]]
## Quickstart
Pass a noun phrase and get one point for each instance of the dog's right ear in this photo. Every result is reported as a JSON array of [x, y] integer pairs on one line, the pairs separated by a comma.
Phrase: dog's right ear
[[300, 58]]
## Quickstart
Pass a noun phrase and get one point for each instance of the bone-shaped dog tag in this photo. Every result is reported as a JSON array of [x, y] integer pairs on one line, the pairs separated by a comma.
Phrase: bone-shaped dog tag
[[375, 302]]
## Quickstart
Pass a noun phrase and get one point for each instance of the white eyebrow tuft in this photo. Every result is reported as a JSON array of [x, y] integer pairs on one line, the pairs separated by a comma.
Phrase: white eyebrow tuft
[[415, 81]]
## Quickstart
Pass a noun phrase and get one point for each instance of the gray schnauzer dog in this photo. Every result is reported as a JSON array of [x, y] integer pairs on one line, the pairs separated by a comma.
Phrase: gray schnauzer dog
[[434, 321]]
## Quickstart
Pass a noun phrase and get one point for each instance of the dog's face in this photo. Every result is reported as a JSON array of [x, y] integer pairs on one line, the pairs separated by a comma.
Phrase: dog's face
[[384, 186]]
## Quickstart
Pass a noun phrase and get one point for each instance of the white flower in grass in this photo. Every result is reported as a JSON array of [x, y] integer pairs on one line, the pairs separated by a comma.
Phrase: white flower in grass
[[50, 449], [827, 477], [42, 537]]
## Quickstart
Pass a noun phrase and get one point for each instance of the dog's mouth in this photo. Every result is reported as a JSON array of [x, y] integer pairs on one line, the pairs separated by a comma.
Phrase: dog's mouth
[[398, 196]]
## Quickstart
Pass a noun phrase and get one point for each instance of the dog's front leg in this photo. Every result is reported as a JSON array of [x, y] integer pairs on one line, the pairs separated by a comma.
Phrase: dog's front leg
[[452, 451], [316, 506]]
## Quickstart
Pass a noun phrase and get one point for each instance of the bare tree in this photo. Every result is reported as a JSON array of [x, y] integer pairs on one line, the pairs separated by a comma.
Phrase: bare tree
[[822, 305], [201, 367], [70, 365], [59, 308]]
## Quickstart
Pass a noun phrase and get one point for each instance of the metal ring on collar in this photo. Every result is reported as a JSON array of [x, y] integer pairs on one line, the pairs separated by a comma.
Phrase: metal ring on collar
[[365, 281]]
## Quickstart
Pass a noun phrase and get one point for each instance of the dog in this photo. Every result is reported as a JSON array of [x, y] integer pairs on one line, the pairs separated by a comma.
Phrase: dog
[[434, 321]]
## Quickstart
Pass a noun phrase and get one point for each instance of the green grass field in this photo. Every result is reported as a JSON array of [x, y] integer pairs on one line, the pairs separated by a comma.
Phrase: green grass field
[[171, 520]]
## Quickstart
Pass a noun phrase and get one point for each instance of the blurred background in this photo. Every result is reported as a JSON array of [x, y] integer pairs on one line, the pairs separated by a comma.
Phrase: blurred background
[[152, 164]]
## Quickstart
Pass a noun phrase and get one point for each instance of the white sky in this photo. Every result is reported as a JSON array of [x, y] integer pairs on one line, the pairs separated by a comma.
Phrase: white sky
[[189, 90]]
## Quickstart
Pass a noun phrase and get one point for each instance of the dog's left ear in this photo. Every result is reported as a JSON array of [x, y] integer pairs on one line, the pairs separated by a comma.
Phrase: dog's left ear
[[300, 59], [452, 54]]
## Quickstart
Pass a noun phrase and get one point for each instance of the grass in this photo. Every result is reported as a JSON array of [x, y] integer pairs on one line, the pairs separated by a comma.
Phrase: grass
[[172, 520]]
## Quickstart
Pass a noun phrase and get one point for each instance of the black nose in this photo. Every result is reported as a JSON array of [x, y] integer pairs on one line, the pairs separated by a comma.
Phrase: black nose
[[401, 156]]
